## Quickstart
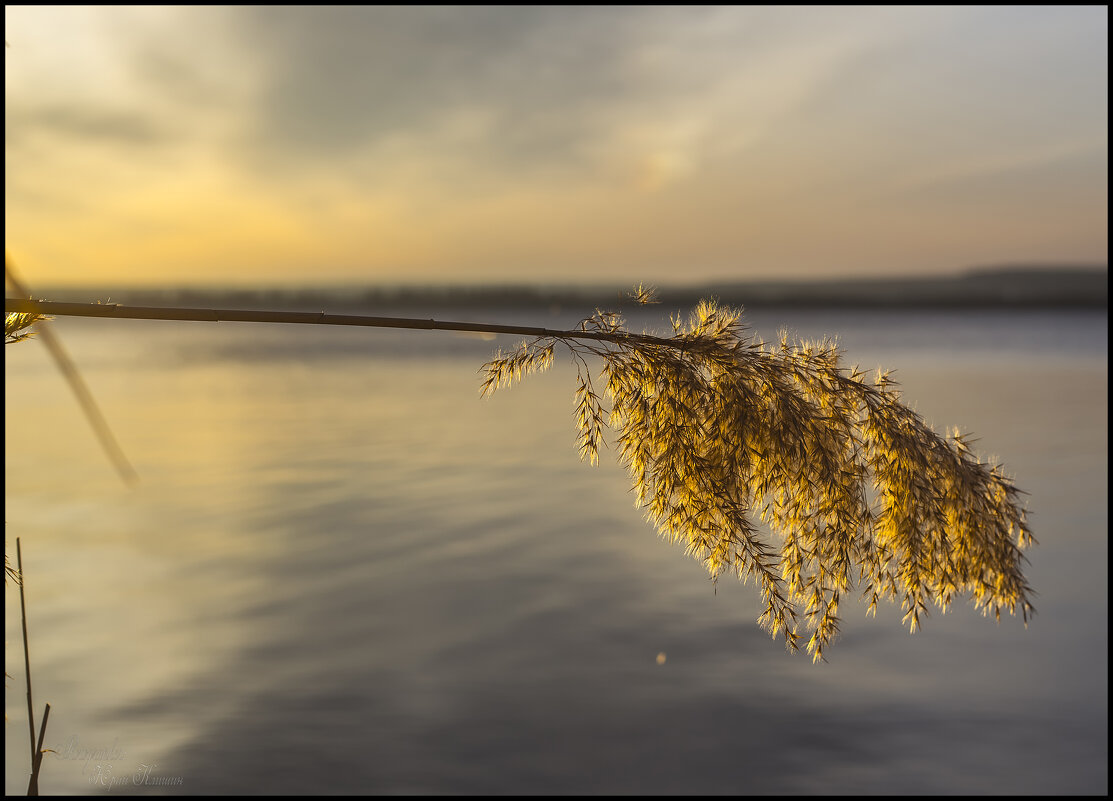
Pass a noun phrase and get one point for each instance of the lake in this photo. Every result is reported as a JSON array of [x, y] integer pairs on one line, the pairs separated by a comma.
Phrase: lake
[[344, 572]]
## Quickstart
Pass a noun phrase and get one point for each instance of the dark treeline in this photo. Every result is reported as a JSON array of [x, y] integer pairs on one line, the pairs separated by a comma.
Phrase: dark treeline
[[994, 287]]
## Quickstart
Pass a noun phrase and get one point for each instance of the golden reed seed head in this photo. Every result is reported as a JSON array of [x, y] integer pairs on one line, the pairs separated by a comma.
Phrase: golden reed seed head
[[718, 429]]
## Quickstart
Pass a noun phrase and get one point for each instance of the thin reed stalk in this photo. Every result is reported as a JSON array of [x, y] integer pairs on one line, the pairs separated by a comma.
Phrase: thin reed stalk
[[15, 325], [26, 650], [118, 312], [36, 750]]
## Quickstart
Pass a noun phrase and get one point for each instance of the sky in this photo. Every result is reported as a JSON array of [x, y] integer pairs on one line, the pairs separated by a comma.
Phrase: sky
[[301, 145]]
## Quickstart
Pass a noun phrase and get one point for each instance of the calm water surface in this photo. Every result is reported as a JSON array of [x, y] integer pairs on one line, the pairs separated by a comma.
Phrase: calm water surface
[[343, 572]]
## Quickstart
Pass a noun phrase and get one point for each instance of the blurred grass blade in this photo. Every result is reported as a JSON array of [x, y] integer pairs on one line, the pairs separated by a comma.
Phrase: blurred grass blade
[[77, 384]]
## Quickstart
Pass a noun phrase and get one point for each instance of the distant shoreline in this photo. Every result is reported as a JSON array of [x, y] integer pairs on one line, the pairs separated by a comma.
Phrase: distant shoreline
[[1004, 287]]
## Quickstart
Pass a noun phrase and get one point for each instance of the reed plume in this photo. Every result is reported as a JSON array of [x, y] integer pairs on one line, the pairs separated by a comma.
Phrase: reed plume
[[722, 432], [16, 325]]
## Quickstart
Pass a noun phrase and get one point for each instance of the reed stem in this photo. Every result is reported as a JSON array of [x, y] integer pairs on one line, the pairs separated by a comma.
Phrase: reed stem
[[36, 751], [115, 311], [37, 759], [26, 647]]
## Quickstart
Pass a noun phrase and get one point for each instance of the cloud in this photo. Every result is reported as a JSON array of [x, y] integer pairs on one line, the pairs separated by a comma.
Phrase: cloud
[[83, 125], [515, 85], [436, 138]]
